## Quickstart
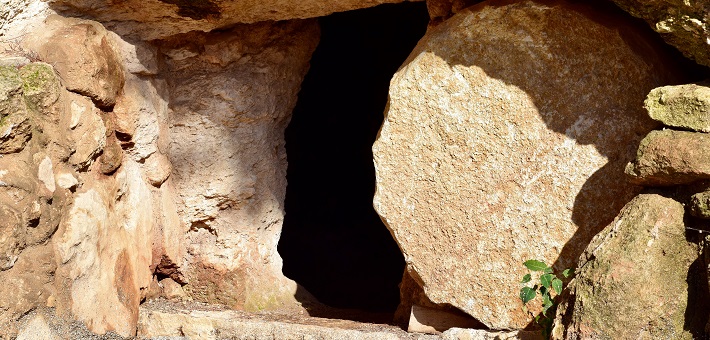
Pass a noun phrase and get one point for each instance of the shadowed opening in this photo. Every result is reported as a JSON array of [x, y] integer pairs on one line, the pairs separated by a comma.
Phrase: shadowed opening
[[333, 242]]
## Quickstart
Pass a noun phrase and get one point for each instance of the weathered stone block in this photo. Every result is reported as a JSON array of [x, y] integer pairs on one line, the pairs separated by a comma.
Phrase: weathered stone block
[[682, 106], [633, 278], [669, 157]]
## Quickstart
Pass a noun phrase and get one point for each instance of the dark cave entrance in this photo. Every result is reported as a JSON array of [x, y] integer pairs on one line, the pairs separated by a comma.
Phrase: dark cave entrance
[[333, 242]]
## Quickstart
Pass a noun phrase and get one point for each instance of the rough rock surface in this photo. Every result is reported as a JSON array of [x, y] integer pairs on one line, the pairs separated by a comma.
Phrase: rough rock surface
[[440, 10], [670, 157], [83, 51], [682, 106], [231, 96], [633, 280], [30, 202], [155, 19], [505, 139], [196, 321], [102, 281], [682, 23], [80, 225], [15, 127], [700, 205]]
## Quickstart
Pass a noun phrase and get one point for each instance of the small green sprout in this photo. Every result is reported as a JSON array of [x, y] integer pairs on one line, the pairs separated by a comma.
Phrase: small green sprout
[[548, 282]]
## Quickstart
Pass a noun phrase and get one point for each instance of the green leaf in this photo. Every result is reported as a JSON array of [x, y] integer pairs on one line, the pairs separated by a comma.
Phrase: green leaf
[[557, 285], [546, 280], [535, 265], [548, 270], [526, 278], [527, 294], [546, 304], [567, 272]]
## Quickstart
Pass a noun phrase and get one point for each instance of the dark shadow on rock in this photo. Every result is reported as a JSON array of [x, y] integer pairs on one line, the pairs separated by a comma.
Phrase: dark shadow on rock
[[698, 310]]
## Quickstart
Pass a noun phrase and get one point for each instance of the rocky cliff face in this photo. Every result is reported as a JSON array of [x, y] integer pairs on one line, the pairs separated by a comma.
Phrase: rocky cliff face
[[112, 151], [142, 156]]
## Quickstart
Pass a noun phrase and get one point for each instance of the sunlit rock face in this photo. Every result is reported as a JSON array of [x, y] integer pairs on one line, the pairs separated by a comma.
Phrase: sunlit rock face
[[231, 97], [505, 139]]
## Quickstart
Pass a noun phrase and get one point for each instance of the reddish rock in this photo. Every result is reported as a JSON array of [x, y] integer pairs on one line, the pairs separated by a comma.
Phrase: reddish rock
[[670, 157], [83, 55]]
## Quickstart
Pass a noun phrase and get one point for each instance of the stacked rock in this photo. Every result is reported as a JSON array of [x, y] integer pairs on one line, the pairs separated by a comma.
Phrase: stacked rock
[[617, 292], [678, 154]]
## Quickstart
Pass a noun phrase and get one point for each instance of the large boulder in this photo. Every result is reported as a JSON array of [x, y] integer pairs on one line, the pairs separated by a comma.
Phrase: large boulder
[[505, 139], [682, 23], [156, 19], [231, 96], [633, 281]]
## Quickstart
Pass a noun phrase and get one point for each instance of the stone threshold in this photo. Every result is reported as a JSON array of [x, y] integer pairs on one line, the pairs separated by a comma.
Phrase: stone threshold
[[161, 319]]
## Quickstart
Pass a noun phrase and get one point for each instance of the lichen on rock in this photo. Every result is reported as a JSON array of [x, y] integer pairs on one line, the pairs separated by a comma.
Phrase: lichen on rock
[[681, 106]]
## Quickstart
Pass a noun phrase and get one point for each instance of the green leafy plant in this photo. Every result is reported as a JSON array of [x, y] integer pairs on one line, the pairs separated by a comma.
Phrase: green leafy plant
[[547, 283]]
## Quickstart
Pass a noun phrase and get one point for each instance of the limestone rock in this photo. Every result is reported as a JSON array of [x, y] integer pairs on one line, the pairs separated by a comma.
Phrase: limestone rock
[[139, 58], [669, 157], [157, 169], [480, 334], [88, 131], [700, 205], [171, 289], [15, 125], [18, 17], [156, 19], [66, 180], [505, 139], [440, 10], [37, 328], [23, 201], [14, 61], [160, 319], [10, 91], [231, 97], [682, 106], [633, 278], [104, 253], [683, 24], [82, 53], [112, 156], [40, 86], [24, 287], [138, 114]]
